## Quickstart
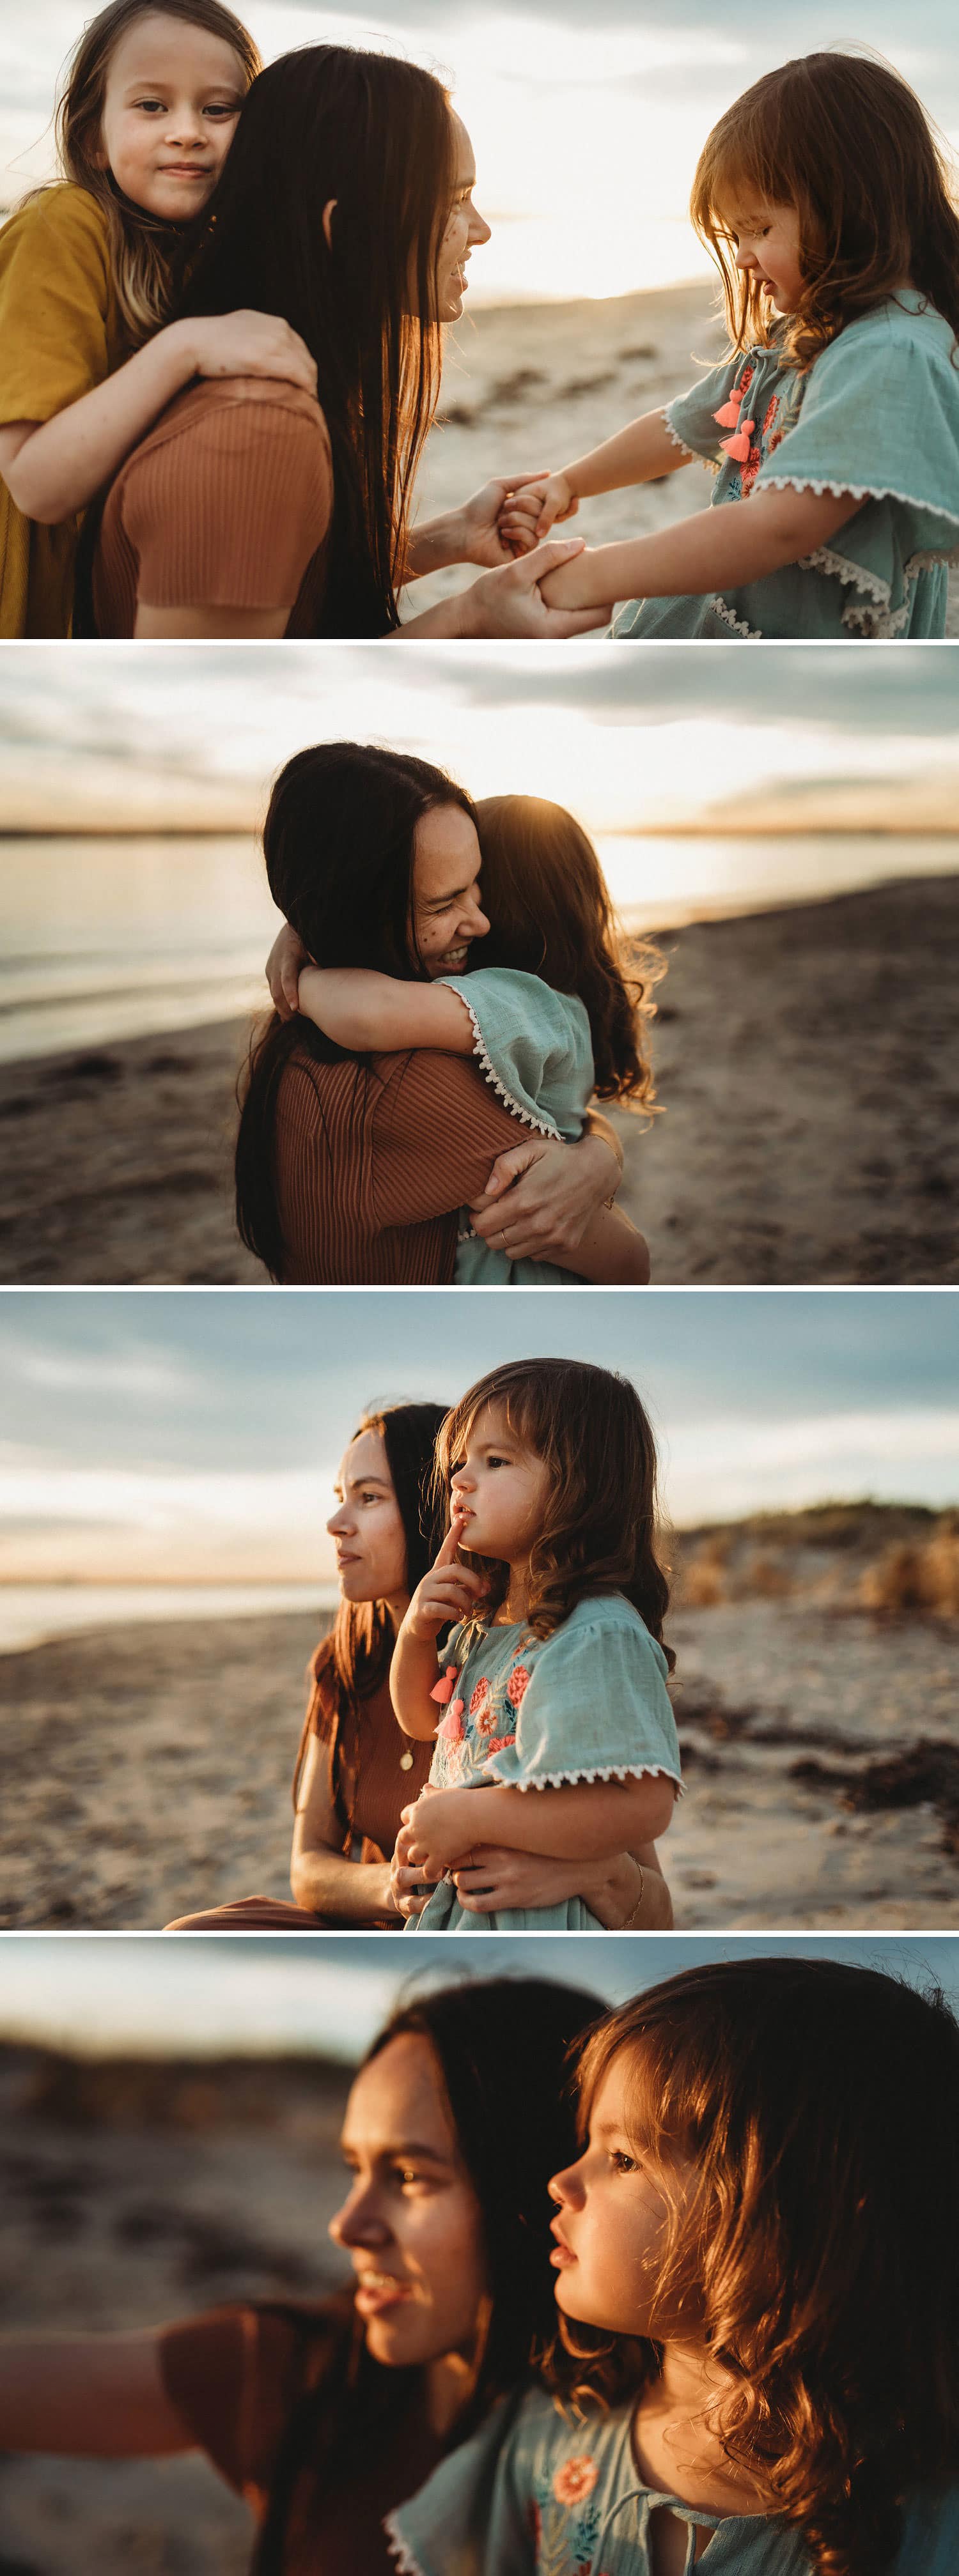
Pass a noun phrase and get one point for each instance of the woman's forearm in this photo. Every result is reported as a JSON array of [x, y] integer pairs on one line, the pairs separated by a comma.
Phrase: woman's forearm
[[435, 544], [713, 550], [640, 453], [87, 2397], [326, 1882], [57, 465], [612, 1253]]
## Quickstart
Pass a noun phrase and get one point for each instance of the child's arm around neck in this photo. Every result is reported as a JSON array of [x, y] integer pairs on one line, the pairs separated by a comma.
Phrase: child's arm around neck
[[372, 1014]]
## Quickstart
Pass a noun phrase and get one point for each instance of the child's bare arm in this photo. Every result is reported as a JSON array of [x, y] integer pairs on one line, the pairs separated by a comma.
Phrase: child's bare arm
[[612, 1253], [713, 550], [447, 1593], [52, 468], [368, 1012], [592, 1820], [640, 453]]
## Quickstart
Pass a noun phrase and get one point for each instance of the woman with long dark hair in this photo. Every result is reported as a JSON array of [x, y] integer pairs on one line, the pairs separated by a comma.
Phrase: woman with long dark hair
[[325, 2417], [356, 1773], [352, 1168], [345, 210]]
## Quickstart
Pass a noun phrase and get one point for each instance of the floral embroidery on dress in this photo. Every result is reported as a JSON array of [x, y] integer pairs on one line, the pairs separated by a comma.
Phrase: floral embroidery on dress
[[575, 2480], [498, 1743], [479, 1698], [517, 1685]]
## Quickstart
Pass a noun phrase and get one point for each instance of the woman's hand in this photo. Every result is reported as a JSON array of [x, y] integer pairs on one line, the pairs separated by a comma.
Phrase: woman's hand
[[284, 967], [508, 603], [541, 1196], [447, 1593], [249, 344]]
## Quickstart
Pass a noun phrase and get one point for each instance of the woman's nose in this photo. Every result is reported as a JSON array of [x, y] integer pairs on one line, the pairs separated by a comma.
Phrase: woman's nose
[[357, 2223], [479, 230], [339, 1522], [478, 919]]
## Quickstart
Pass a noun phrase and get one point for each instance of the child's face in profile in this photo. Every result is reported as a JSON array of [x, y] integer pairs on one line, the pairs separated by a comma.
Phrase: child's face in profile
[[765, 237], [610, 2225], [173, 96], [499, 1488]]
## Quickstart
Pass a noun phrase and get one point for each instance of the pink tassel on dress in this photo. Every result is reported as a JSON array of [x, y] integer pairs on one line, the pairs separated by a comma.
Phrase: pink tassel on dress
[[738, 447], [444, 1689], [729, 415]]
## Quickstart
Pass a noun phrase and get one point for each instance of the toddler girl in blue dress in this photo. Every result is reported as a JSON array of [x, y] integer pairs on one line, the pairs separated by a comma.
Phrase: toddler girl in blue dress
[[553, 1680], [824, 200], [757, 2279]]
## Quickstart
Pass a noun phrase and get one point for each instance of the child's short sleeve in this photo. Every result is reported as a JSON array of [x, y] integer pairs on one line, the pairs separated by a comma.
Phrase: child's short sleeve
[[592, 1704], [879, 419], [472, 2514], [533, 1045], [690, 416], [58, 332]]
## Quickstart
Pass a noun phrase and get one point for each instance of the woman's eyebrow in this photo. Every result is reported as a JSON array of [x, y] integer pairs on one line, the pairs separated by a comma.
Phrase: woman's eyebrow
[[404, 2147], [357, 1483]]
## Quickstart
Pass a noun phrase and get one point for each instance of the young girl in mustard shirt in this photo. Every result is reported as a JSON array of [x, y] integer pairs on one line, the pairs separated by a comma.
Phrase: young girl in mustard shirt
[[144, 126]]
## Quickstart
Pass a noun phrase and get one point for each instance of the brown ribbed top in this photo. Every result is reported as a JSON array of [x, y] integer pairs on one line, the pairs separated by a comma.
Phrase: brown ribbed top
[[374, 1159], [248, 2383], [366, 1784], [225, 504]]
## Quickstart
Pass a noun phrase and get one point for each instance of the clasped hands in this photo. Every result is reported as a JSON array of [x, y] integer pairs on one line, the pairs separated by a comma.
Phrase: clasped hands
[[433, 1839]]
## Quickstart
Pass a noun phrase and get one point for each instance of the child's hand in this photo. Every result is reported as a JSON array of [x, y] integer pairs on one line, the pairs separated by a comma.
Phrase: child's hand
[[438, 1831], [284, 966], [534, 508], [448, 1592], [251, 344]]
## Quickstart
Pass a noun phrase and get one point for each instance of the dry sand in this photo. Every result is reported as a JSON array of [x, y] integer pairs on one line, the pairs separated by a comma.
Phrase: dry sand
[[533, 385], [807, 1065], [147, 1769], [132, 2194]]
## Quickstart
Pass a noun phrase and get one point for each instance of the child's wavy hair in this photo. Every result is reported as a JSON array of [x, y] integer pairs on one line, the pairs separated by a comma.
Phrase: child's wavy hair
[[553, 918], [140, 246], [816, 2243], [598, 1533], [843, 139]]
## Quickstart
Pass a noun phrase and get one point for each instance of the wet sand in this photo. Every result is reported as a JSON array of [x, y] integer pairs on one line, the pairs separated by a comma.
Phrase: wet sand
[[533, 385], [147, 1769], [807, 1063]]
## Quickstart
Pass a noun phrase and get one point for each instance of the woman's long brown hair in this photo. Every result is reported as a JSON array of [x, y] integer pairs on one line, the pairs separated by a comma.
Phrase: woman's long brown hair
[[141, 248], [359, 146], [843, 139], [812, 2231], [363, 1637], [552, 916], [599, 1521]]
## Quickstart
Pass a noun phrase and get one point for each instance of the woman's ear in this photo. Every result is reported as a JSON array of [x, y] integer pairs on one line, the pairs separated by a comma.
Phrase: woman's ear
[[328, 212]]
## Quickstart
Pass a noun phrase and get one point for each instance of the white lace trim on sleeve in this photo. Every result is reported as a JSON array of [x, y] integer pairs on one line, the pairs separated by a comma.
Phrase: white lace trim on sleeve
[[406, 2563], [603, 1771], [543, 1126]]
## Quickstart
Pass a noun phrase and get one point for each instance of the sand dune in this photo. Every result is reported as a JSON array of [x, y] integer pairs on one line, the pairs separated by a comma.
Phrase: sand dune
[[807, 1067]]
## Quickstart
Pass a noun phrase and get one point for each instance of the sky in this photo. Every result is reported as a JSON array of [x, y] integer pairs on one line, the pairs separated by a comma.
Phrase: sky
[[195, 1436], [794, 738], [586, 124], [268, 1997]]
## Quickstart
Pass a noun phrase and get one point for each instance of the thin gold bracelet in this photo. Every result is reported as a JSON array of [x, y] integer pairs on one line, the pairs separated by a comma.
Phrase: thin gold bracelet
[[631, 1918]]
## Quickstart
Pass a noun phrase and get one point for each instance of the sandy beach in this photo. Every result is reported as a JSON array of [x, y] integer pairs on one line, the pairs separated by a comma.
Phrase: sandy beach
[[529, 386], [134, 2192], [147, 1768], [806, 1063]]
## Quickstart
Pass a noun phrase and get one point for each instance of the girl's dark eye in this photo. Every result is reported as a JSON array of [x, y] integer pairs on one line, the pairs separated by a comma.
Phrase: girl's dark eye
[[622, 2163]]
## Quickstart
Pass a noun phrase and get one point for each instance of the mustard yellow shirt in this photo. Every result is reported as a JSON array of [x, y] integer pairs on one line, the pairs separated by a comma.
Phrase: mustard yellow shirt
[[60, 334]]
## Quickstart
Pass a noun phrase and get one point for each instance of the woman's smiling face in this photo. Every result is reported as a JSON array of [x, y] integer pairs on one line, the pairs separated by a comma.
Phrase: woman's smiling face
[[465, 230], [447, 915], [368, 1525], [411, 2222]]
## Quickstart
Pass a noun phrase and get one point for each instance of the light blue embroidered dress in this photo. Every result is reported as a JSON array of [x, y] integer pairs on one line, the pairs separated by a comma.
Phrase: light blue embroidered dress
[[588, 1703], [535, 2493], [878, 415], [535, 1048]]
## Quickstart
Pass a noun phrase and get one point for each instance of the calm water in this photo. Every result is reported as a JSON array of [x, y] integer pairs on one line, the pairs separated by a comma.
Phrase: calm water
[[32, 1612], [110, 939]]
